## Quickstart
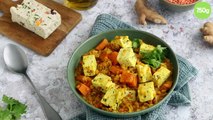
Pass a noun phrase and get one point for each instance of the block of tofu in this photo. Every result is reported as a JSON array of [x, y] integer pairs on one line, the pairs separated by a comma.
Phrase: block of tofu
[[161, 75], [126, 57], [36, 17], [146, 48], [103, 81], [113, 97], [89, 65], [146, 91], [131, 95], [144, 73], [122, 41]]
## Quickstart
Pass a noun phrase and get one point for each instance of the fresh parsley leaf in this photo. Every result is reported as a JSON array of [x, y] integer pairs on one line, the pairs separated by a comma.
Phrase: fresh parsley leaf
[[155, 57], [136, 43], [13, 110], [5, 115]]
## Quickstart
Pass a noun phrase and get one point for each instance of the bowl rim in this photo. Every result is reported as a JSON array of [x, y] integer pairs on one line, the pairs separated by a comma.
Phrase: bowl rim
[[184, 5], [115, 114]]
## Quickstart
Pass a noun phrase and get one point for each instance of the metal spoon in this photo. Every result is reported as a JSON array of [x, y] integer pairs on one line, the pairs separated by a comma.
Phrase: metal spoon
[[16, 61]]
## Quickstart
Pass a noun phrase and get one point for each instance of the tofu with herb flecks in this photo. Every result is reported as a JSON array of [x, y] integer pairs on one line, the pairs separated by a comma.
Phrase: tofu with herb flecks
[[113, 97], [126, 57], [36, 17], [144, 73], [122, 41], [161, 75], [146, 48], [89, 65], [146, 91], [103, 81]]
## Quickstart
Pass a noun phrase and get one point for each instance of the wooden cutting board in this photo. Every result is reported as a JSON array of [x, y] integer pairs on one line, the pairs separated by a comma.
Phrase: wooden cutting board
[[14, 31]]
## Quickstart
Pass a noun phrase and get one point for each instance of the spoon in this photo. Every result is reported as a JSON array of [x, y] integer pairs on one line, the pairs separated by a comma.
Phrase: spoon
[[16, 61]]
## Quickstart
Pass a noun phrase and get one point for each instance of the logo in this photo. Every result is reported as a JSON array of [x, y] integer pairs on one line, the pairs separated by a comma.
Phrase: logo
[[202, 10]]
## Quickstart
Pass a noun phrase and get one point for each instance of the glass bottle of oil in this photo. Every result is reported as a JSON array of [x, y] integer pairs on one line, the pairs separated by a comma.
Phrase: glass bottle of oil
[[80, 4]]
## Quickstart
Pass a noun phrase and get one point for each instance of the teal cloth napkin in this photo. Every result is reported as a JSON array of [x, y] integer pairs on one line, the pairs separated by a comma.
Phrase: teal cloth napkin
[[179, 97]]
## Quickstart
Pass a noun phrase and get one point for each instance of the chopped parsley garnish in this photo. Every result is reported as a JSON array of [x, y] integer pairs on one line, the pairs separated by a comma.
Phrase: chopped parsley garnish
[[155, 57], [13, 110], [136, 43]]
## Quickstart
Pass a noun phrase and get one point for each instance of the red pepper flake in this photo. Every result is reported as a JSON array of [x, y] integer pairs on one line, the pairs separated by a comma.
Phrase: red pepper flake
[[47, 12], [33, 10], [182, 2]]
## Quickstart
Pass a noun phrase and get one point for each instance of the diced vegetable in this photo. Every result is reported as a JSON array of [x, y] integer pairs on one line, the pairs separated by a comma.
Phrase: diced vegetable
[[155, 57], [102, 45], [103, 56], [132, 82], [83, 89], [167, 85], [115, 69], [113, 57], [129, 79]]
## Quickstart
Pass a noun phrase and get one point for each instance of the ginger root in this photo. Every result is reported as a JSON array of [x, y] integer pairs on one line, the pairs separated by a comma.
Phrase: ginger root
[[207, 31], [146, 13]]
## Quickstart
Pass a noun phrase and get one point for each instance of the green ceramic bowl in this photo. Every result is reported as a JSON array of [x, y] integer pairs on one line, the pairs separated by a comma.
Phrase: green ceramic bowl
[[95, 40], [177, 7]]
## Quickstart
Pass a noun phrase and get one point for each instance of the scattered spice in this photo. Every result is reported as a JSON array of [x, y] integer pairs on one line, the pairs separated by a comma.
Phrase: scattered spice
[[182, 2], [38, 22]]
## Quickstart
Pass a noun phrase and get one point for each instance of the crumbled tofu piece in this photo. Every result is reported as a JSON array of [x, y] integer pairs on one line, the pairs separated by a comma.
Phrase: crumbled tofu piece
[[161, 75], [144, 73], [89, 65], [131, 95], [146, 91], [113, 97], [103, 81], [146, 48], [36, 17], [122, 41], [126, 57]]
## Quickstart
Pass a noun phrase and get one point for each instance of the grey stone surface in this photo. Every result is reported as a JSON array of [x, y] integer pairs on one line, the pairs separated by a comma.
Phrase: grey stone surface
[[49, 73]]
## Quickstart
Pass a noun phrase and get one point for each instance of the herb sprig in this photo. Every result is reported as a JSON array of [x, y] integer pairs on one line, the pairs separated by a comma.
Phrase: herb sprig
[[155, 57], [13, 110]]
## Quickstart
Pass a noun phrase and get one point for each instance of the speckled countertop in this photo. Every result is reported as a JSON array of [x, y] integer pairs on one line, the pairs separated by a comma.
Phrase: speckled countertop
[[49, 73]]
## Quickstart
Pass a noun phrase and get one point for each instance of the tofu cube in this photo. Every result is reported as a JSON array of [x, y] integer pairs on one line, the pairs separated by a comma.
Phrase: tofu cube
[[161, 75], [146, 48], [113, 97], [89, 65], [103, 81], [144, 73], [146, 91], [126, 57], [131, 95], [122, 41], [36, 17]]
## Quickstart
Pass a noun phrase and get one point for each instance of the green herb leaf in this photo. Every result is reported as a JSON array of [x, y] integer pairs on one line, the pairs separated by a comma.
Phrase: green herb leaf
[[14, 109], [155, 57], [136, 43], [5, 115]]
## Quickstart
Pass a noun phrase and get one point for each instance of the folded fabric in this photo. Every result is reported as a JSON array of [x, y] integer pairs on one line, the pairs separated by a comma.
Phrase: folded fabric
[[180, 95]]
